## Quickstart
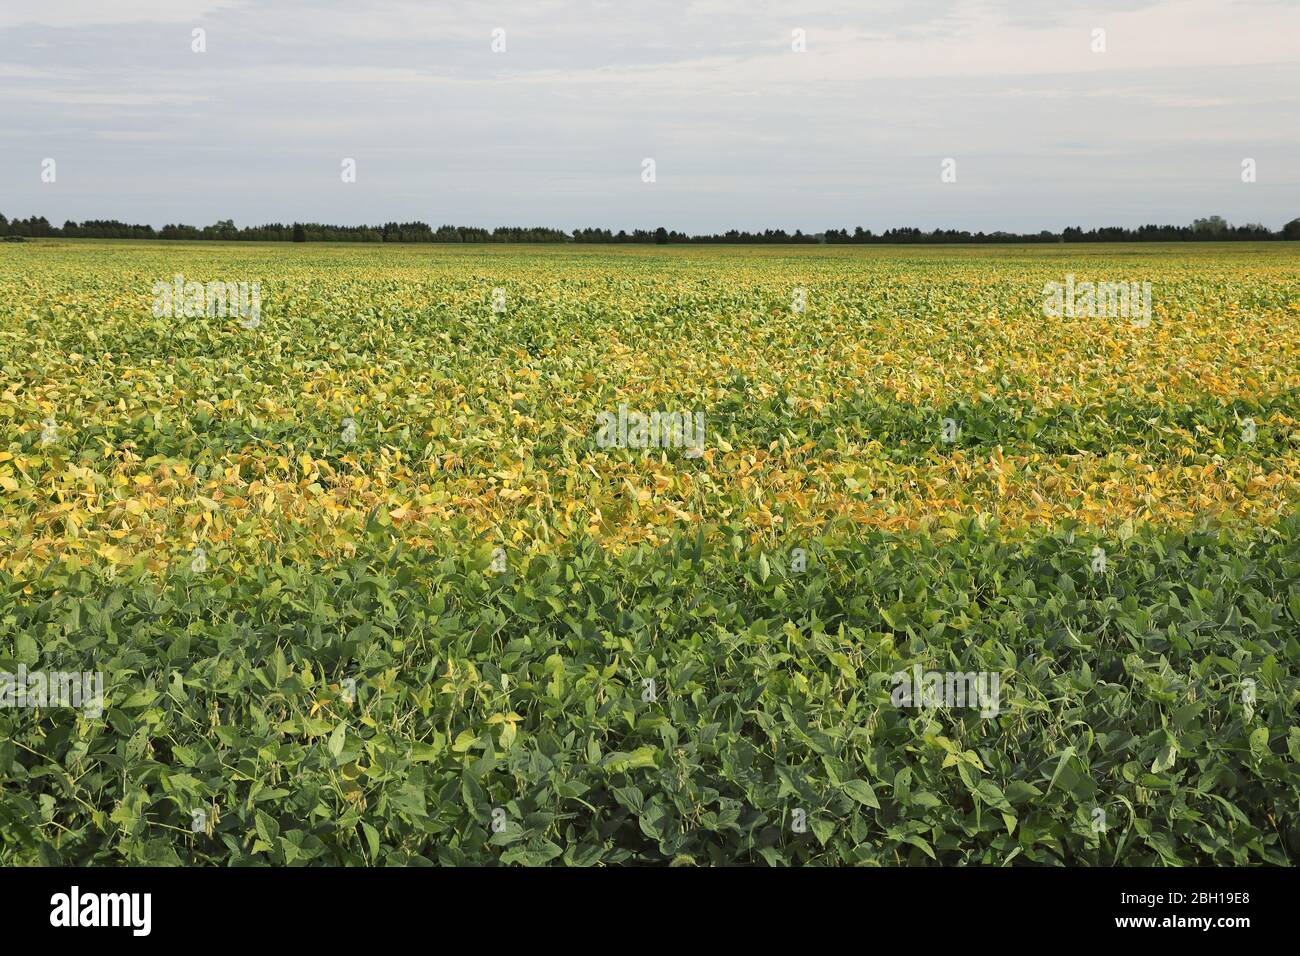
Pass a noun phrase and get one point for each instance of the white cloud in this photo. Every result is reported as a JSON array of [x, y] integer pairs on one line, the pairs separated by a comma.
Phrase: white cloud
[[64, 14], [742, 125]]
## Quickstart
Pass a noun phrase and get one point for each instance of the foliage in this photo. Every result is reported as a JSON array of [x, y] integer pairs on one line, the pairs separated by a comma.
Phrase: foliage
[[444, 615], [1213, 229], [526, 691]]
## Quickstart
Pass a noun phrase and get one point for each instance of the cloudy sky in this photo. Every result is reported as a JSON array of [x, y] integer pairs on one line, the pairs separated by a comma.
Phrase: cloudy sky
[[744, 130]]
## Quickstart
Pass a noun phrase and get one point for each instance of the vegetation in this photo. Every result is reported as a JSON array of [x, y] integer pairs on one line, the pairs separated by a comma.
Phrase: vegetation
[[365, 589], [1212, 229]]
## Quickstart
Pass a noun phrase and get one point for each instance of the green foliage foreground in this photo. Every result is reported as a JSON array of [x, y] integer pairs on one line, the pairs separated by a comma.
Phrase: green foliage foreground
[[521, 699]]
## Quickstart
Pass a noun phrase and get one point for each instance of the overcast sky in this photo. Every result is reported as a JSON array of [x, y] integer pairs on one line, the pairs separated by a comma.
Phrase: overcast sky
[[744, 130]]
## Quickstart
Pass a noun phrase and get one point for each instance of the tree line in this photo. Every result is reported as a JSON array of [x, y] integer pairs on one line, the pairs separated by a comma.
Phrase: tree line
[[1212, 228]]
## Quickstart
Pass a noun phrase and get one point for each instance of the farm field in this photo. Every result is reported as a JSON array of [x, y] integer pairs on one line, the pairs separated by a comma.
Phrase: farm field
[[380, 576]]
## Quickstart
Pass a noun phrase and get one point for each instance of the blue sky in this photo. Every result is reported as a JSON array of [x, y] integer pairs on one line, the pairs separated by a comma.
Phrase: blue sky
[[744, 130]]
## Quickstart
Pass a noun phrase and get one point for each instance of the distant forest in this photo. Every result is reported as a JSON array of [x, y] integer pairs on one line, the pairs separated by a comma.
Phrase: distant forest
[[1213, 229]]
